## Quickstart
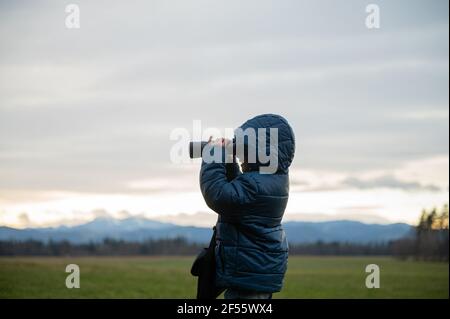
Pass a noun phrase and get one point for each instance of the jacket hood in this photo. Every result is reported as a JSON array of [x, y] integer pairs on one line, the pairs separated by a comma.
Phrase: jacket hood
[[280, 146]]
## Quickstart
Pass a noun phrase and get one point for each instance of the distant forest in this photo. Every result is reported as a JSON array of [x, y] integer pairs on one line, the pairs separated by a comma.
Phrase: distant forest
[[429, 242]]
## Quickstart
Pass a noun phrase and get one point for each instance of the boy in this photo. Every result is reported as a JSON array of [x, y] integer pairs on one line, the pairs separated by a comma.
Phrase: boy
[[251, 249]]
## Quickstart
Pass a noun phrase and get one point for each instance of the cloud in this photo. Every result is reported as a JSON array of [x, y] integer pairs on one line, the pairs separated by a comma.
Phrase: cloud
[[344, 214], [24, 220], [428, 175], [123, 214], [100, 213], [359, 100], [388, 181], [201, 219]]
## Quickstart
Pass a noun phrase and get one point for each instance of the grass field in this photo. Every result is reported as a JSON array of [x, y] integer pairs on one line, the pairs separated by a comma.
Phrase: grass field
[[169, 277]]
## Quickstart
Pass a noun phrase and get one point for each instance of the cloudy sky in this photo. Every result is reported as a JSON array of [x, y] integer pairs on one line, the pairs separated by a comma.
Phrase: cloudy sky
[[86, 114]]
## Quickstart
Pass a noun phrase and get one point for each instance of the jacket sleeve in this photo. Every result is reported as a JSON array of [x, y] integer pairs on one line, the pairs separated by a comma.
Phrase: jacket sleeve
[[222, 194], [232, 170]]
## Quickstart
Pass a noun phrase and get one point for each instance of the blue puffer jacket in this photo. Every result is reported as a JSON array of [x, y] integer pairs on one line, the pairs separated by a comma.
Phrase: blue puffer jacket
[[251, 246]]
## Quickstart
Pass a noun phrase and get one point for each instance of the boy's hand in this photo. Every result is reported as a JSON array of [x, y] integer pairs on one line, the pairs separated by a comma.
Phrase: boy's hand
[[224, 142]]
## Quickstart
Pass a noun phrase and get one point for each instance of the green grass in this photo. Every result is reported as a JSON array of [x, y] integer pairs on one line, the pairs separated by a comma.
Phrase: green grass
[[169, 277]]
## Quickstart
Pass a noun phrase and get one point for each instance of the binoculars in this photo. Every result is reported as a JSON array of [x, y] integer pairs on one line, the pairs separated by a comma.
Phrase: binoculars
[[196, 149]]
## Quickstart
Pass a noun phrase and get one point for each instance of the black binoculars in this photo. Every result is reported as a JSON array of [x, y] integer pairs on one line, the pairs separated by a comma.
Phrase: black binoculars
[[196, 149]]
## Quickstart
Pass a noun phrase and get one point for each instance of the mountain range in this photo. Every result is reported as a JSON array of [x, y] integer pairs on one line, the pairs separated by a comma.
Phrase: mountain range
[[140, 229]]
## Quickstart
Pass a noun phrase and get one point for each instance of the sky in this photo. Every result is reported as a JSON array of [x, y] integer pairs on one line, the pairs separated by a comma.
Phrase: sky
[[86, 114]]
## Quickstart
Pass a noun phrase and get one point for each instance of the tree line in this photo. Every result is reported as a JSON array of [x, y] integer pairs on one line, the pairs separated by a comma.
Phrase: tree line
[[429, 241], [176, 246]]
